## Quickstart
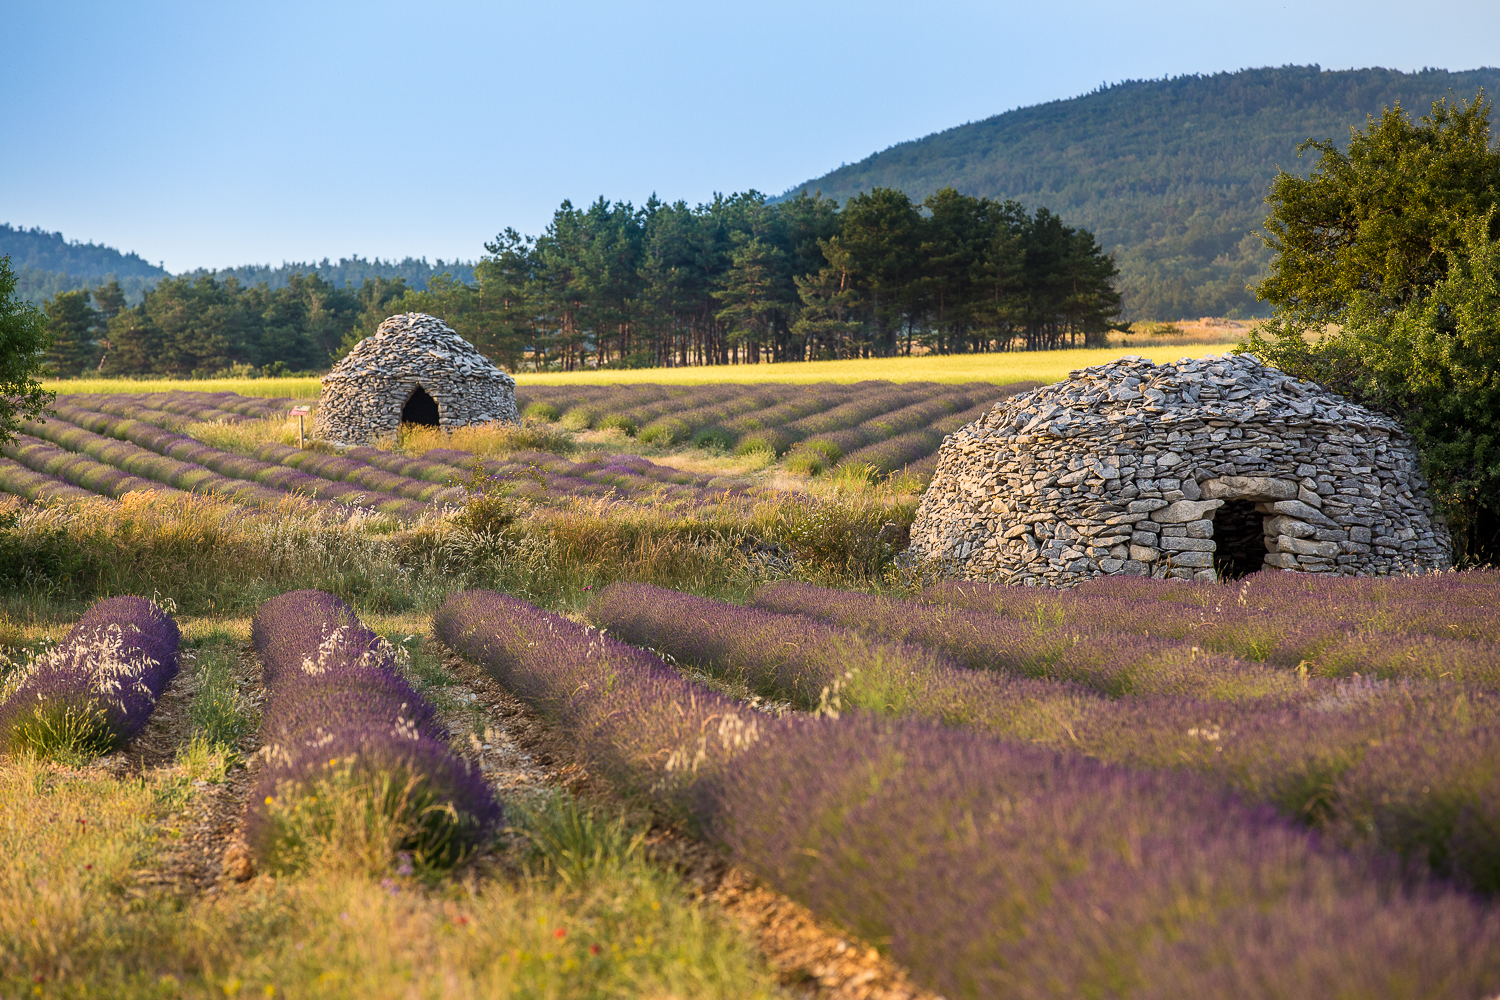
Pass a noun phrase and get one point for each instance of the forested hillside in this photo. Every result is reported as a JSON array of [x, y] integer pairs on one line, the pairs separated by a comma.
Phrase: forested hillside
[[1170, 175], [346, 272], [46, 264]]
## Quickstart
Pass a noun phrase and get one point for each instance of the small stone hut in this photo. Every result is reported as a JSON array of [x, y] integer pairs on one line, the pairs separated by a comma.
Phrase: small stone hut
[[1202, 469], [415, 369]]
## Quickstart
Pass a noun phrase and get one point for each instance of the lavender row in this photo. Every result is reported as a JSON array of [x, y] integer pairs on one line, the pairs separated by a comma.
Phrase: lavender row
[[280, 478], [136, 460], [635, 722], [817, 666], [357, 470], [17, 480], [625, 477], [1299, 742], [79, 470], [1437, 625], [341, 716], [95, 691], [352, 469], [997, 869], [987, 868]]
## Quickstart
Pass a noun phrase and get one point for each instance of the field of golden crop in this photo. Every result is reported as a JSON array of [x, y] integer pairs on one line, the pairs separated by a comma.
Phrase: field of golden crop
[[1038, 366]]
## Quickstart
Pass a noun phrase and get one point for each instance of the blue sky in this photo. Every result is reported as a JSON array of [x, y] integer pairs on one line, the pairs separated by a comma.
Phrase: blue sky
[[219, 134]]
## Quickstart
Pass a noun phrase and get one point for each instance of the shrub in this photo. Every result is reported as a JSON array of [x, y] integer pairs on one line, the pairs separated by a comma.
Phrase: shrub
[[356, 767], [94, 691], [714, 437], [542, 411], [616, 422], [579, 418]]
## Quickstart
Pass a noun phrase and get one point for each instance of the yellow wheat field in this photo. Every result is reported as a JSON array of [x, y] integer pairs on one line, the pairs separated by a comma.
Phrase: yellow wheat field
[[1038, 366]]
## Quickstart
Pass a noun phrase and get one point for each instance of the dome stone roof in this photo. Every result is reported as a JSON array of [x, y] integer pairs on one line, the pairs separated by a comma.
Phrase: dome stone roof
[[412, 361], [1191, 470]]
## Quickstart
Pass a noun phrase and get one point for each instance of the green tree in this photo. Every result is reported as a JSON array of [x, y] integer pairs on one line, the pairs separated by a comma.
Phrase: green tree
[[73, 324], [830, 303], [882, 233], [1395, 242], [750, 294], [23, 351], [1370, 228]]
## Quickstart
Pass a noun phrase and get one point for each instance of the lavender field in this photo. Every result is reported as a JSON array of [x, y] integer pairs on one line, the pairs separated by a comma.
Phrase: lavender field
[[113, 443], [437, 698], [1120, 860]]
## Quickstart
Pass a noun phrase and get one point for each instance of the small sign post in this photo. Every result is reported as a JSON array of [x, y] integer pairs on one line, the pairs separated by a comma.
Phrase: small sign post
[[300, 412]]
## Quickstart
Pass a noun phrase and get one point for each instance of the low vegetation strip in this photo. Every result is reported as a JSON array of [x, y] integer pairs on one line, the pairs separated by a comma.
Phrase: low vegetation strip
[[356, 761], [985, 866], [1435, 626], [94, 691], [79, 470], [18, 480], [276, 478], [817, 666]]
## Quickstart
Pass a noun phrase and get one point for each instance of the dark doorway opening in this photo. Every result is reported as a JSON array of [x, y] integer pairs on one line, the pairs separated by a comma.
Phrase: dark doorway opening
[[420, 408], [1240, 537]]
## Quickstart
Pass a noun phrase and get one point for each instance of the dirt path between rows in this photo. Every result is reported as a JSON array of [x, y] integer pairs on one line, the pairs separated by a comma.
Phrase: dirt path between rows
[[811, 958], [521, 756]]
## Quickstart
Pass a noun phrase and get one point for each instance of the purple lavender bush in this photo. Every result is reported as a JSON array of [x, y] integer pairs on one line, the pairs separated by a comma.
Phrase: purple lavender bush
[[355, 756], [95, 691], [992, 869], [988, 868], [636, 723], [815, 665]]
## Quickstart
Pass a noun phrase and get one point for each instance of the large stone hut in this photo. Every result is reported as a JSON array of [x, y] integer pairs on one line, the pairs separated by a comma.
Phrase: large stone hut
[[1202, 469], [415, 369]]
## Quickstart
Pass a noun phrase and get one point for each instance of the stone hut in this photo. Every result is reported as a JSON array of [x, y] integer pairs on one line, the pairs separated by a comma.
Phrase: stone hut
[[415, 369], [1202, 469]]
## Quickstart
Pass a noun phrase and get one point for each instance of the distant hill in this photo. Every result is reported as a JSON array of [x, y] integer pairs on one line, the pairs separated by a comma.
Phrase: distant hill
[[46, 264], [1171, 175], [350, 271]]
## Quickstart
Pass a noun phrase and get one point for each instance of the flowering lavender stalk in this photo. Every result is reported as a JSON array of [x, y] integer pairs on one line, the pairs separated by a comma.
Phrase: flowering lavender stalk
[[994, 869], [635, 721], [988, 868], [815, 665], [94, 691], [349, 740]]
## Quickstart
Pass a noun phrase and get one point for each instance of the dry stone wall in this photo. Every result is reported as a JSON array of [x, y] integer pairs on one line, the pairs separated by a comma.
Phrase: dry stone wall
[[363, 396], [1188, 470]]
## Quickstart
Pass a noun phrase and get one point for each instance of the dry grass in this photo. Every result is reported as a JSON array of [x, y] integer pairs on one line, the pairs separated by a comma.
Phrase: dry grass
[[243, 437], [80, 916]]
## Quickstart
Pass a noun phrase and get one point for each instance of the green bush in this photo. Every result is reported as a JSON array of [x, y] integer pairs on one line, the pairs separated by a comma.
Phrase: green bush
[[714, 437], [665, 432], [579, 418], [616, 422], [542, 411]]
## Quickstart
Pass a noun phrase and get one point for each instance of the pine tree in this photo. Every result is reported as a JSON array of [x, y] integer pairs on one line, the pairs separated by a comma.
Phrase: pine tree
[[74, 326]]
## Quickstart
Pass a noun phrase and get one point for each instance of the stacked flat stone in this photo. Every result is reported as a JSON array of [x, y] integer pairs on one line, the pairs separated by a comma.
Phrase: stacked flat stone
[[1121, 468], [362, 397]]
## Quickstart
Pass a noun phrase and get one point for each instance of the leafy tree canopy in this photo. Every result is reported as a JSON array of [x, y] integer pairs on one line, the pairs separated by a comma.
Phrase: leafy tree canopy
[[23, 346], [1386, 286]]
